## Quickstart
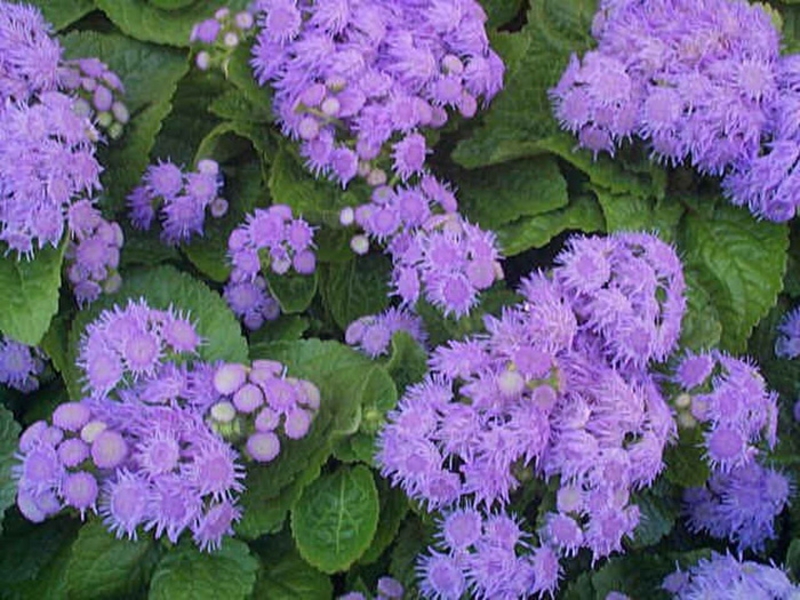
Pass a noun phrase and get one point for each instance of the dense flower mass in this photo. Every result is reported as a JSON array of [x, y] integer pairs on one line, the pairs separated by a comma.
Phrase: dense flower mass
[[179, 199], [251, 302], [546, 391], [739, 579], [376, 72], [729, 397], [124, 344], [699, 82], [20, 365], [273, 237], [740, 505], [47, 158], [158, 449]]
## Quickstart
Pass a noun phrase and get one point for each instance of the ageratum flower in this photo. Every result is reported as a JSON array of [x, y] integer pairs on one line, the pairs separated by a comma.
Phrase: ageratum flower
[[20, 365], [372, 334], [739, 579], [127, 343], [179, 199]]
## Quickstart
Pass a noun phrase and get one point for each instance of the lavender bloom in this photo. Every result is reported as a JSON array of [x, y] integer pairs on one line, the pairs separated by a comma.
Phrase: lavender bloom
[[180, 199], [665, 74], [251, 302], [729, 396], [259, 403], [47, 162], [449, 260], [92, 257], [787, 344], [739, 579], [628, 288], [31, 58], [20, 365], [373, 334], [371, 74], [740, 505], [127, 343], [275, 236]]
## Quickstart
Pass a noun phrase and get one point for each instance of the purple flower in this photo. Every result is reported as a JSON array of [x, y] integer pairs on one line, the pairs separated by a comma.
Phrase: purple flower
[[180, 198], [787, 344], [740, 505], [131, 342], [737, 577], [372, 334], [20, 365]]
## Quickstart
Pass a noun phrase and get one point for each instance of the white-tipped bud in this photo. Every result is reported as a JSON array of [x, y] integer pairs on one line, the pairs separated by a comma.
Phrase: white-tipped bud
[[376, 177], [347, 216], [203, 60], [223, 412], [359, 244]]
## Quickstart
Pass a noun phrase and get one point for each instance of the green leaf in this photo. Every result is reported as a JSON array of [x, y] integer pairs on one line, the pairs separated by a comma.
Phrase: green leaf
[[186, 573], [314, 199], [258, 98], [701, 328], [583, 214], [408, 362], [244, 190], [286, 328], [393, 509], [500, 194], [739, 262], [33, 557], [271, 489], [150, 75], [29, 293], [658, 512], [286, 576], [163, 287], [631, 172], [356, 288], [9, 436], [792, 561], [293, 291], [102, 566], [146, 21], [635, 213], [336, 517], [685, 464], [535, 57], [63, 14], [500, 12]]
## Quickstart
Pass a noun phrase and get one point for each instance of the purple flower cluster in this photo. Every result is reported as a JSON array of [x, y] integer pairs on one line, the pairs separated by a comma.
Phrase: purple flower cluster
[[272, 236], [740, 505], [20, 365], [787, 344], [700, 82], [251, 302], [124, 344], [388, 589], [693, 79], [259, 403], [92, 256], [489, 555], [30, 58], [100, 92], [556, 387], [221, 34], [57, 462], [372, 334], [47, 158], [353, 77], [180, 199], [730, 398], [739, 579]]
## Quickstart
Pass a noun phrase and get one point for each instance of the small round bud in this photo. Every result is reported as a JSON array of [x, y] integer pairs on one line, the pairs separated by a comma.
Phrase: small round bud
[[267, 419], [105, 119], [376, 177], [263, 446], [243, 20], [222, 14], [71, 416], [511, 384], [218, 207], [109, 449], [231, 40], [683, 401], [202, 60], [91, 430], [248, 398], [359, 244], [297, 424], [308, 128], [229, 378], [330, 106], [223, 412], [347, 216], [115, 131], [120, 112]]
